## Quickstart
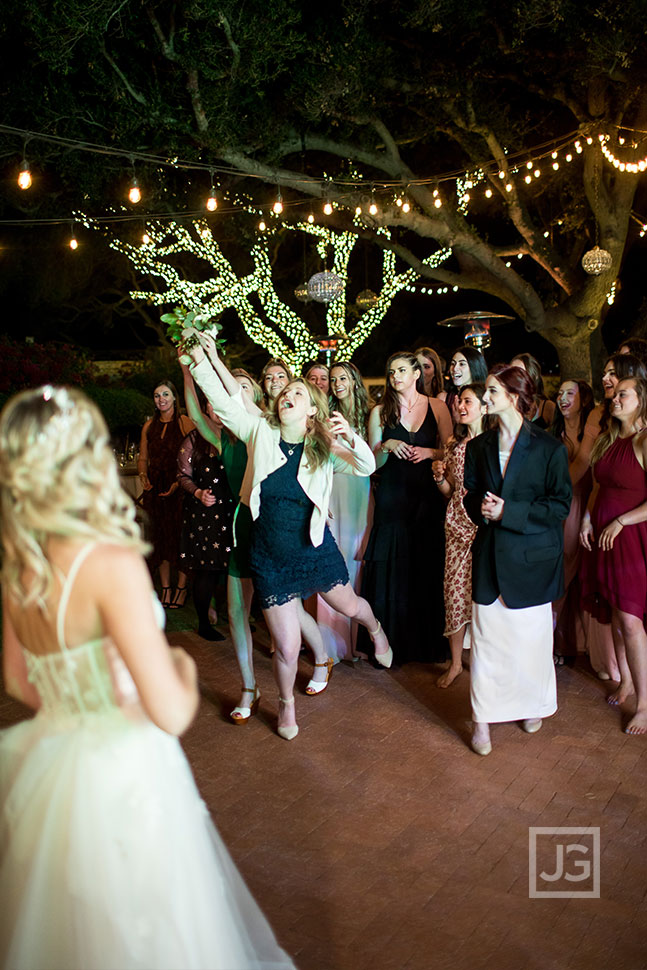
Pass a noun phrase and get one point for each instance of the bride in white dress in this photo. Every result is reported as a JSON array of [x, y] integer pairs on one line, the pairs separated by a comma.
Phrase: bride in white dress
[[109, 860]]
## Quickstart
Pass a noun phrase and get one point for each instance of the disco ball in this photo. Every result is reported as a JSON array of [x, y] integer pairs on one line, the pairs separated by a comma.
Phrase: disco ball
[[596, 261], [325, 287]]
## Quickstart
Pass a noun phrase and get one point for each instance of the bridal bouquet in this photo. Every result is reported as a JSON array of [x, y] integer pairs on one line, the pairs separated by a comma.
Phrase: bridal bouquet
[[185, 328]]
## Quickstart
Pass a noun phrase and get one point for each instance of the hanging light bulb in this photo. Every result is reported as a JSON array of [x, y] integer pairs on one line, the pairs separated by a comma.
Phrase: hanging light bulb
[[406, 207], [146, 238], [277, 208], [373, 208], [212, 201], [398, 202], [262, 226], [73, 244], [311, 218], [24, 178], [488, 193], [327, 208], [134, 193]]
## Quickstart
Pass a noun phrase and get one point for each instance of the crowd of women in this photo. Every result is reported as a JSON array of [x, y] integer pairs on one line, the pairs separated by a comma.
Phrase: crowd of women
[[468, 513], [412, 529]]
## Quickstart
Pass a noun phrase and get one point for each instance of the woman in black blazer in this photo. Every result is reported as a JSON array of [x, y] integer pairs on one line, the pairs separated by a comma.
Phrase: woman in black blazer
[[518, 493]]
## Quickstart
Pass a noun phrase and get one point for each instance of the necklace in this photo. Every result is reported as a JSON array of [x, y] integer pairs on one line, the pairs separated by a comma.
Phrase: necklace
[[291, 445], [412, 406]]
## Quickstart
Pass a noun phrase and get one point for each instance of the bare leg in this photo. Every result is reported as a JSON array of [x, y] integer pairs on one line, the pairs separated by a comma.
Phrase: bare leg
[[456, 665], [283, 624], [345, 600], [239, 598], [311, 633], [635, 640], [626, 688], [165, 580]]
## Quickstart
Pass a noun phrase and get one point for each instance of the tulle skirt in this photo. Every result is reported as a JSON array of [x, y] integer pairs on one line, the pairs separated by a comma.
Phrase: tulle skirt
[[109, 859]]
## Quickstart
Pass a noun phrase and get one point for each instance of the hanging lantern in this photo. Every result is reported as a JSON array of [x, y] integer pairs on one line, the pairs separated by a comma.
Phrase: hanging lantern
[[596, 261], [325, 287], [366, 299], [301, 293]]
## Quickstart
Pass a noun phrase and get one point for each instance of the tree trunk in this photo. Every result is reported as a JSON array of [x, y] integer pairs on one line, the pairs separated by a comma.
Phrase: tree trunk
[[571, 337]]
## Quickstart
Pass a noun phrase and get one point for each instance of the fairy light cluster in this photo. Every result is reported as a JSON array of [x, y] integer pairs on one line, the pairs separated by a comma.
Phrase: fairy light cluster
[[278, 328]]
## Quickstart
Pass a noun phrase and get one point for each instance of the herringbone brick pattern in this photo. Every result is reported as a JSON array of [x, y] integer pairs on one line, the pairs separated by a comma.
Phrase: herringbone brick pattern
[[377, 839]]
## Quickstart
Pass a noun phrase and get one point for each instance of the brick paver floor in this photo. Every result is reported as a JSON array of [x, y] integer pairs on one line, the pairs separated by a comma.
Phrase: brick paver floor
[[377, 839]]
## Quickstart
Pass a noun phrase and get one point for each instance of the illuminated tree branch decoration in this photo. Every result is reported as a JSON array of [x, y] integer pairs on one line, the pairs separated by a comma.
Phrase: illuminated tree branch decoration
[[278, 327]]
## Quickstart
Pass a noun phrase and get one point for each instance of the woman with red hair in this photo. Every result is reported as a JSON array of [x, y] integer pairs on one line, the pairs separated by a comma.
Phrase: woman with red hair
[[518, 493]]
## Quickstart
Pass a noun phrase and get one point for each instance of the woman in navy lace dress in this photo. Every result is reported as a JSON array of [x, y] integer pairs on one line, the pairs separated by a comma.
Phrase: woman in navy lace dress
[[292, 455]]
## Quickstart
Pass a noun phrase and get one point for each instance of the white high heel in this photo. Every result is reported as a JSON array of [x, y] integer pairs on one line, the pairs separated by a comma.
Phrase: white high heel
[[319, 686], [287, 733], [386, 658], [240, 715]]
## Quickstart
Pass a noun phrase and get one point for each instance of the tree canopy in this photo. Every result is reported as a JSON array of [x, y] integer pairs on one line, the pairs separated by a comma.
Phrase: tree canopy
[[361, 100]]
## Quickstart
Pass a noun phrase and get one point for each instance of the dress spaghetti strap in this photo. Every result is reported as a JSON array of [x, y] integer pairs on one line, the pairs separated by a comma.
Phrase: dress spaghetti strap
[[77, 562]]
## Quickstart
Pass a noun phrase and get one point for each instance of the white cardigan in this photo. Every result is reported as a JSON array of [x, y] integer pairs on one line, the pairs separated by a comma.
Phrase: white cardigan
[[264, 454]]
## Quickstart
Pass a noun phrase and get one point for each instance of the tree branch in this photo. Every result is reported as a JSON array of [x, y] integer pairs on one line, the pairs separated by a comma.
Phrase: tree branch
[[167, 45], [235, 49], [136, 95], [196, 101]]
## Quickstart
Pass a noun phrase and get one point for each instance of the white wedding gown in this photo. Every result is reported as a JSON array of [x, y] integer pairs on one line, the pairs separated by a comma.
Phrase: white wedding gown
[[108, 857]]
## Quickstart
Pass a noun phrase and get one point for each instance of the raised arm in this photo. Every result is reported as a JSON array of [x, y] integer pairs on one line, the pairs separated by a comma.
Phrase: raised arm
[[230, 410], [195, 413], [229, 382]]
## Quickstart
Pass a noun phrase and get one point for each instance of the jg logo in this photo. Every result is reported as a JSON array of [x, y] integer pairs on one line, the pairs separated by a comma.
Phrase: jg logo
[[563, 862]]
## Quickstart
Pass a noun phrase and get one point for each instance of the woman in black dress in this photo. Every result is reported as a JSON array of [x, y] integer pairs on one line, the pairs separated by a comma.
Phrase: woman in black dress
[[206, 539], [404, 559]]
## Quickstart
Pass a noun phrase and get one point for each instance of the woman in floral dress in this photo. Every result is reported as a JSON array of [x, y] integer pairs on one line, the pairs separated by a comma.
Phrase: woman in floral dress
[[459, 528]]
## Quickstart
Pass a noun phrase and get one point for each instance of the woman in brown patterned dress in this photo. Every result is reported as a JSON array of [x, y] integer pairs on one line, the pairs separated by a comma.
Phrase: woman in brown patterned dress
[[459, 528], [161, 438]]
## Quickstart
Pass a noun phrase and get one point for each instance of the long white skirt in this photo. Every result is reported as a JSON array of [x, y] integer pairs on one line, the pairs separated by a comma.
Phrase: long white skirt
[[512, 669]]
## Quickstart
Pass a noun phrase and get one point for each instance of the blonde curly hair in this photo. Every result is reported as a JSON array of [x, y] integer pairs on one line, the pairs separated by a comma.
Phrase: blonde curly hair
[[58, 477]]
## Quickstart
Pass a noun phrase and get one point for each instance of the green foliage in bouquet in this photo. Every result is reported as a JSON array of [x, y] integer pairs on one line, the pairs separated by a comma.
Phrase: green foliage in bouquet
[[183, 327]]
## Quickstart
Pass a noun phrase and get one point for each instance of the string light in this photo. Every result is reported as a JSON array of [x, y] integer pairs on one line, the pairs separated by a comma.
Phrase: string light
[[24, 177], [212, 201], [633, 167]]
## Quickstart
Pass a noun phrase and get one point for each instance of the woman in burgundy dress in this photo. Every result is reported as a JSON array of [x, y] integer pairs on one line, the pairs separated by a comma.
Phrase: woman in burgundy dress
[[161, 438], [614, 533]]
